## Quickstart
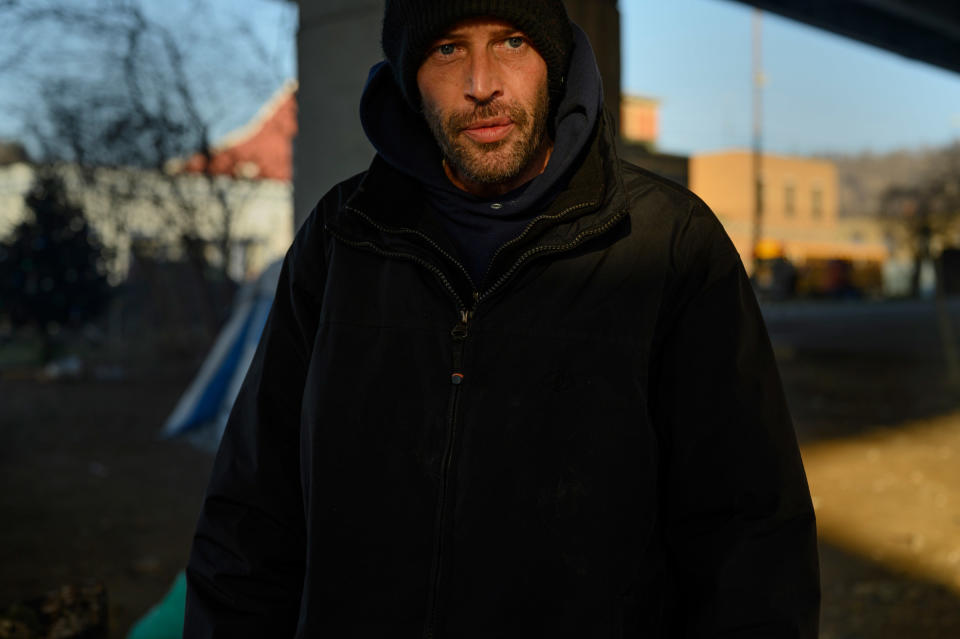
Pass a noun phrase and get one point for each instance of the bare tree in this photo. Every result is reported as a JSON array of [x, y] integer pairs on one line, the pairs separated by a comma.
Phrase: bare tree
[[124, 91], [928, 211]]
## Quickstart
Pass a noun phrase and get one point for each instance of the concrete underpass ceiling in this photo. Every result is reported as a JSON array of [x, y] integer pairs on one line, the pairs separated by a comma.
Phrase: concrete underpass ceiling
[[925, 30]]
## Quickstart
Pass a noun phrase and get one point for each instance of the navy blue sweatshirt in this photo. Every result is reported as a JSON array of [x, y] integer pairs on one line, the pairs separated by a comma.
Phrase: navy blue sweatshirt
[[477, 227]]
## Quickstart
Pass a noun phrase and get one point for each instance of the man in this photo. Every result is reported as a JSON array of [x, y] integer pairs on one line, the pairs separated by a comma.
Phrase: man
[[510, 385]]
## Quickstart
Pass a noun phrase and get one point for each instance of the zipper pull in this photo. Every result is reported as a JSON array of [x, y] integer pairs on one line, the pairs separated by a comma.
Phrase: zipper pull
[[459, 333]]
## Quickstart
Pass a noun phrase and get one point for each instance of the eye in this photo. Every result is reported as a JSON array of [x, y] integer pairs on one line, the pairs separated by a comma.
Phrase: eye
[[446, 49], [515, 42]]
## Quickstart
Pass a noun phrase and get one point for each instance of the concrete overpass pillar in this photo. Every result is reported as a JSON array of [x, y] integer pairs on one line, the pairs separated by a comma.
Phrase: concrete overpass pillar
[[600, 19], [337, 43]]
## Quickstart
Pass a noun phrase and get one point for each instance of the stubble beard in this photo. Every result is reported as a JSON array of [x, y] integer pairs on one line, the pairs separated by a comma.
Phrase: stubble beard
[[493, 162]]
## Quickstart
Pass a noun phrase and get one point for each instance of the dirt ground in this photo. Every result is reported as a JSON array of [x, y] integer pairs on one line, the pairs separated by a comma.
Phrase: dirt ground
[[88, 491]]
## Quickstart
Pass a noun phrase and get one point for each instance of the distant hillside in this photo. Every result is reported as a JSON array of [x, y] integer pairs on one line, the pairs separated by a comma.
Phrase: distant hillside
[[864, 177]]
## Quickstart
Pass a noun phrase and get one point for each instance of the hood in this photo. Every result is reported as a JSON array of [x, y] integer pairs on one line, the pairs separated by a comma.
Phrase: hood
[[401, 137]]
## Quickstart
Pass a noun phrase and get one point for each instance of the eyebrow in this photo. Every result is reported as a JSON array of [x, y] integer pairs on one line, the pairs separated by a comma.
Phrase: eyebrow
[[499, 33]]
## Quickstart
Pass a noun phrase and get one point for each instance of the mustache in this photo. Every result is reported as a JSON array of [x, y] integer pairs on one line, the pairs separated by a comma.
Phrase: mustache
[[460, 120]]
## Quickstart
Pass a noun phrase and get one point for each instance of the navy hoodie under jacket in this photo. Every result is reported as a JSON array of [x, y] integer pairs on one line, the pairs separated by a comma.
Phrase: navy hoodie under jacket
[[477, 227]]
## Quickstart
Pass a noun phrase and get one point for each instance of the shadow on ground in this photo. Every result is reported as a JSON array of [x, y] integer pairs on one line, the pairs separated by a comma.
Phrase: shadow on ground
[[863, 600], [834, 394], [852, 367]]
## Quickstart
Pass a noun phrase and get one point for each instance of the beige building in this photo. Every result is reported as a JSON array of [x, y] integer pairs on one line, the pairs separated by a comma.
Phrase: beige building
[[639, 119], [125, 206], [800, 208]]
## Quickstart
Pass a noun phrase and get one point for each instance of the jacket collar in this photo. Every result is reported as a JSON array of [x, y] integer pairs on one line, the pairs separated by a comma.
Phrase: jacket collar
[[388, 213]]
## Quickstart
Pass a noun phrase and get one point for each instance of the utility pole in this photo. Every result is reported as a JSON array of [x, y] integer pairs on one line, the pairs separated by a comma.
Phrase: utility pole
[[758, 82]]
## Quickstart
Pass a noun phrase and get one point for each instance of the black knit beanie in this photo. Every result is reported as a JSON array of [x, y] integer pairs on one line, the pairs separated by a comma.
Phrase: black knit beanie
[[411, 26]]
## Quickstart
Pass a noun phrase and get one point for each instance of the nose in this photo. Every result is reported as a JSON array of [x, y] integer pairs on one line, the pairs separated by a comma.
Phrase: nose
[[484, 83]]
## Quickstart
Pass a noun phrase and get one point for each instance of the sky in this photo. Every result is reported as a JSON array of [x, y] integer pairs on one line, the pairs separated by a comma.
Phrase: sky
[[823, 93], [236, 54]]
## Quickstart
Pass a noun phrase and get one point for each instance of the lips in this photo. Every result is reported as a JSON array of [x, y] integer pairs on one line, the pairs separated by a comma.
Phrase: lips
[[489, 130]]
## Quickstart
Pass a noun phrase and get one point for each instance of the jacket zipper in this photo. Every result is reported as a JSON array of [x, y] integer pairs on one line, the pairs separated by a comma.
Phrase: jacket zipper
[[459, 335]]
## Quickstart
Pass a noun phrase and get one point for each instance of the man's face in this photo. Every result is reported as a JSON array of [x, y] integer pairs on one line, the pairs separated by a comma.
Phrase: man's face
[[484, 93]]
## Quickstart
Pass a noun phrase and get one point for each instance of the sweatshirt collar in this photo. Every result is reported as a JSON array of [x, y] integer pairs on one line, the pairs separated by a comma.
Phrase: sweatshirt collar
[[402, 139]]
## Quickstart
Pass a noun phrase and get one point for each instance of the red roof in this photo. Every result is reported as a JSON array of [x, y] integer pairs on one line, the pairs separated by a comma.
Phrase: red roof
[[262, 149]]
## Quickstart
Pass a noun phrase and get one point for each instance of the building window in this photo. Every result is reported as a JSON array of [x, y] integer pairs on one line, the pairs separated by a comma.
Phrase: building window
[[789, 200], [816, 203]]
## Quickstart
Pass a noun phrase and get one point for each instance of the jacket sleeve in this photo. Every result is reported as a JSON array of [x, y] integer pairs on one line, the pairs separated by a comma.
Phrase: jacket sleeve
[[738, 522], [246, 566]]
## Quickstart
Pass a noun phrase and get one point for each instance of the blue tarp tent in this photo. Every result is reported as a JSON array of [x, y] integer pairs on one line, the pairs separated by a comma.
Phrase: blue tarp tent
[[201, 414]]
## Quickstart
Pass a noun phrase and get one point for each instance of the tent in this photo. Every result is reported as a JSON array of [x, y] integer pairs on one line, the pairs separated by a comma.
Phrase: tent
[[201, 414]]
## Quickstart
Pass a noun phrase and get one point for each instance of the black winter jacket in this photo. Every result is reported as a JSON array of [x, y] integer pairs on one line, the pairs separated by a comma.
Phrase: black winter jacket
[[591, 443]]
